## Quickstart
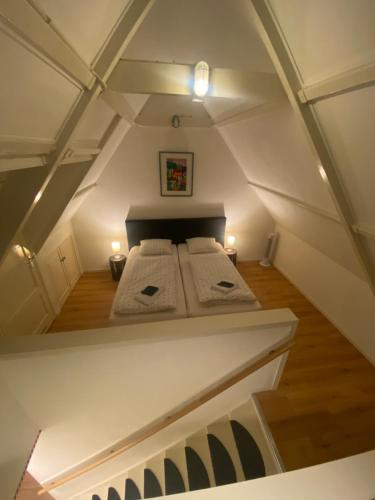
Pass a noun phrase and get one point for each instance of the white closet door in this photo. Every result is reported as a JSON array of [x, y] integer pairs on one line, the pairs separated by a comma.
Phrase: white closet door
[[24, 307], [58, 277], [70, 261]]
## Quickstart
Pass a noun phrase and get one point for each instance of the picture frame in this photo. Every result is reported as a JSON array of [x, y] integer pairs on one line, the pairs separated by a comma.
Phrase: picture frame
[[176, 173]]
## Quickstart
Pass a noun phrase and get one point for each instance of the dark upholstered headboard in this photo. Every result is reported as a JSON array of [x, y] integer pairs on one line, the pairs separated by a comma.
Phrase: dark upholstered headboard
[[177, 230]]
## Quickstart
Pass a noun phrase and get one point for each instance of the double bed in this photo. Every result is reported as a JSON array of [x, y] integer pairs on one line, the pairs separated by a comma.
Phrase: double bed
[[185, 291]]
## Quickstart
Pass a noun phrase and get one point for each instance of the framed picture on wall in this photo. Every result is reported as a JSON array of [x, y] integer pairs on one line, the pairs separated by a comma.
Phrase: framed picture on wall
[[176, 173]]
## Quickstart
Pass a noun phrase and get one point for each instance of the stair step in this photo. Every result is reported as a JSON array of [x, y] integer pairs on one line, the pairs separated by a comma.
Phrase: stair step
[[174, 482], [197, 472], [156, 464], [134, 483], [151, 484], [113, 494], [222, 430], [131, 490], [224, 470], [247, 416], [250, 455], [199, 443], [177, 455]]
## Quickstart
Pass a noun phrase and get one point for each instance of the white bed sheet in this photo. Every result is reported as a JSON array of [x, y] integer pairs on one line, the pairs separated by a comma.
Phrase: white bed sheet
[[194, 307], [127, 319]]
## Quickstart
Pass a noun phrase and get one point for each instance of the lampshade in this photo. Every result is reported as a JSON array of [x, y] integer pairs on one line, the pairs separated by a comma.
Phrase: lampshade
[[116, 246], [231, 240], [201, 78]]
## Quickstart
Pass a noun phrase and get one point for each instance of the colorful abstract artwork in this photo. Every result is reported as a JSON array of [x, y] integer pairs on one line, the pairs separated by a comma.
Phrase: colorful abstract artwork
[[176, 174]]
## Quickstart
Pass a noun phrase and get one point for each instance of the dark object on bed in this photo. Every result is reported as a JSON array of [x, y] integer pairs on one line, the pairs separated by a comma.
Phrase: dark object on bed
[[177, 230]]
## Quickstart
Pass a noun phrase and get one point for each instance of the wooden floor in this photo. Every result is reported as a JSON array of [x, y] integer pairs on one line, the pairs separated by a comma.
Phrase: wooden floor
[[325, 406], [88, 305]]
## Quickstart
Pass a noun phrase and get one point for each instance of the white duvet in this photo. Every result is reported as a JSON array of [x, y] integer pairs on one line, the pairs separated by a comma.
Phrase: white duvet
[[158, 271], [209, 269]]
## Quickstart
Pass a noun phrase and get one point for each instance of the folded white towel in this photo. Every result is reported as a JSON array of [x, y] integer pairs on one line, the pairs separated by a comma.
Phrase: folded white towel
[[147, 299], [223, 289]]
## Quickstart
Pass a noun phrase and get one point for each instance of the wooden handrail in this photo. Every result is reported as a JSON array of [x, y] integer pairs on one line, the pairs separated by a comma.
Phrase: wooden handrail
[[175, 415]]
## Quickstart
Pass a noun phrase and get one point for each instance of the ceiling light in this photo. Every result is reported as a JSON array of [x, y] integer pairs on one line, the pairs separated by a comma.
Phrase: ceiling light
[[201, 78]]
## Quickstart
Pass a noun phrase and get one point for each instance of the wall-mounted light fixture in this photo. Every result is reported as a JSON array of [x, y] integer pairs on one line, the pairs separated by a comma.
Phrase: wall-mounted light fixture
[[201, 78]]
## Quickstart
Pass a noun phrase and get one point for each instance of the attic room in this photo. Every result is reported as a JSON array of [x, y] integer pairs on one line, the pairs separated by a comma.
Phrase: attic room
[[187, 249]]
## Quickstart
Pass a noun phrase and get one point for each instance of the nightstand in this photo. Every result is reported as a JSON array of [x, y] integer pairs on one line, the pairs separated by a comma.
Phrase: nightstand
[[117, 263], [232, 254]]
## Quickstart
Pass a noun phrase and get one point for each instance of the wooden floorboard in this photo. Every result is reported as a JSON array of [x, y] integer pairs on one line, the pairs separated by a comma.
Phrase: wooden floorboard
[[324, 408]]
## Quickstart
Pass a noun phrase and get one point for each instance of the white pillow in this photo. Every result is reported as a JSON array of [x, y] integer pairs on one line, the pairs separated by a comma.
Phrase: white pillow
[[202, 245], [156, 247]]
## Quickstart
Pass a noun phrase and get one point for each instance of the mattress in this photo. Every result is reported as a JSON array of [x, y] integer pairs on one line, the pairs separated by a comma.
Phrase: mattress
[[194, 307], [127, 319]]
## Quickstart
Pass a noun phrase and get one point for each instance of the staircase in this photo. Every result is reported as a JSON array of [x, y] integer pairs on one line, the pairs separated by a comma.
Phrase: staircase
[[237, 447]]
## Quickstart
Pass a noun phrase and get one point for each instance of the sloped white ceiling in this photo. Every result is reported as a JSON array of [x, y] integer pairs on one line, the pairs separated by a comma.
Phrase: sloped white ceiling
[[186, 31], [349, 124], [327, 38], [85, 23], [221, 108], [34, 98], [273, 151]]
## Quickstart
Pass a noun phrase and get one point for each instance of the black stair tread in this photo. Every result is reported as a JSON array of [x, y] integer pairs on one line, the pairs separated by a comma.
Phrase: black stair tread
[[174, 482], [197, 473], [131, 490], [250, 455], [112, 494], [151, 485], [222, 464]]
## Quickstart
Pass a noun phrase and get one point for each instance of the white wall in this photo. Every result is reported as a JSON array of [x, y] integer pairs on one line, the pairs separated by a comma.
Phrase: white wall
[[132, 178], [18, 437], [341, 296]]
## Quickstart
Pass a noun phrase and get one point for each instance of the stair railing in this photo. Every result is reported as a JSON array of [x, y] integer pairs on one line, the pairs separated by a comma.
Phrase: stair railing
[[174, 415]]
